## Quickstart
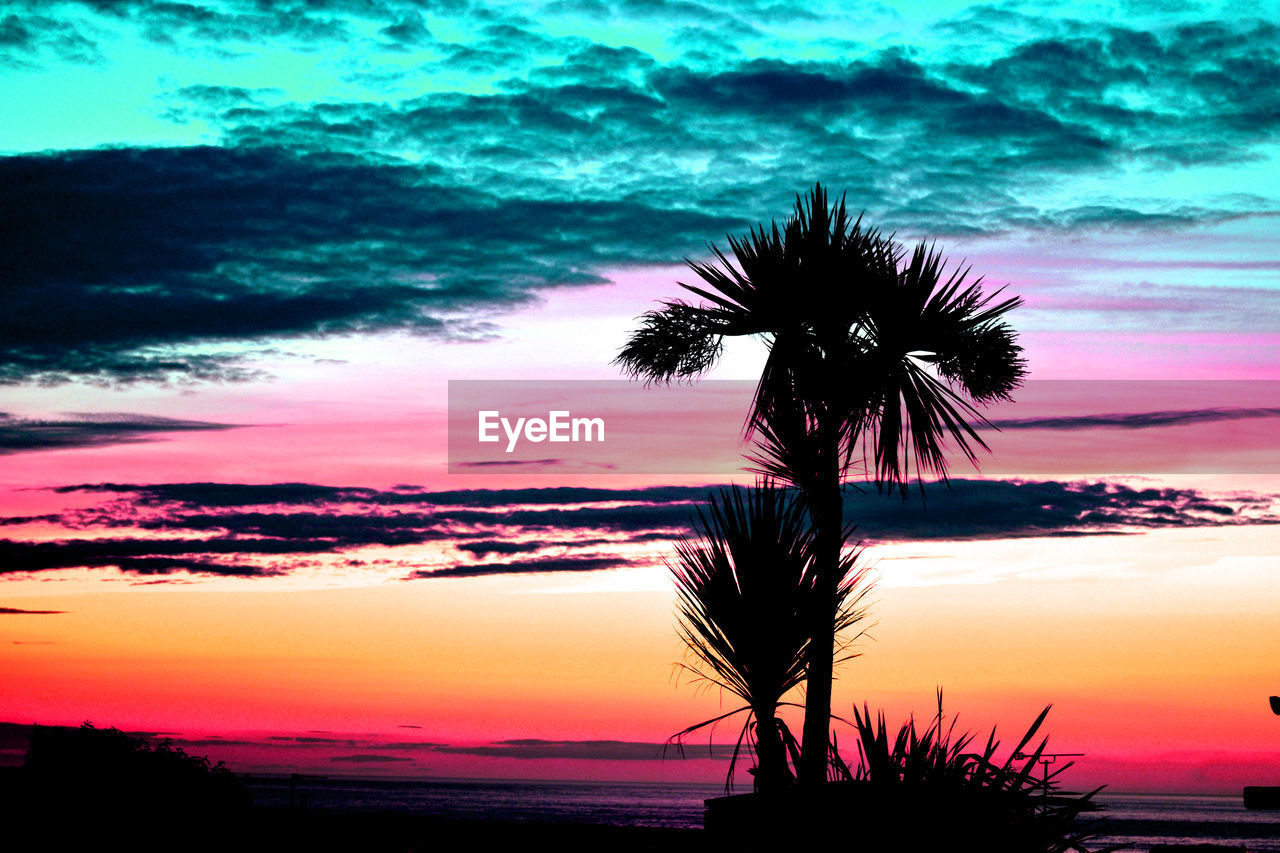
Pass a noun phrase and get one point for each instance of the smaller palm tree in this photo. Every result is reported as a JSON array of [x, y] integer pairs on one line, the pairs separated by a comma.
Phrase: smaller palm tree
[[746, 587]]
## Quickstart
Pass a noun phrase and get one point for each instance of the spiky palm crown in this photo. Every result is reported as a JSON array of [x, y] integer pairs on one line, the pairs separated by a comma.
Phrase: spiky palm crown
[[887, 349], [746, 584]]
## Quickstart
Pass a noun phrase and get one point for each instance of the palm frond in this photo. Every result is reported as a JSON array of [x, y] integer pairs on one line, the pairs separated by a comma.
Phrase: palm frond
[[680, 341]]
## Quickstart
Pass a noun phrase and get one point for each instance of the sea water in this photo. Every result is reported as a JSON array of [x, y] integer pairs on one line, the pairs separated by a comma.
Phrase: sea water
[[1146, 819], [1138, 820]]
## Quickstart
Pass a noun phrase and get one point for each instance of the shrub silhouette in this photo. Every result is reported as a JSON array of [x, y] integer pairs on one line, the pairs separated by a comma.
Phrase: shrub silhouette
[[936, 790], [113, 778], [922, 789]]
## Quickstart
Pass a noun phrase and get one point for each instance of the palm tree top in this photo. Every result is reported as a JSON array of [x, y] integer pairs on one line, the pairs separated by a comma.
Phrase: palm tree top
[[887, 347]]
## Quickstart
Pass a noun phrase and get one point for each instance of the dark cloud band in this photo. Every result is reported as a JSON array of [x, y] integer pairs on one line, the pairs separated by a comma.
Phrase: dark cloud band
[[125, 264], [260, 530]]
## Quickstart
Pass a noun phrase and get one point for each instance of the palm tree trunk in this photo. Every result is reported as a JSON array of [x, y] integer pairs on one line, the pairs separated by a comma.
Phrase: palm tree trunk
[[771, 757], [827, 507]]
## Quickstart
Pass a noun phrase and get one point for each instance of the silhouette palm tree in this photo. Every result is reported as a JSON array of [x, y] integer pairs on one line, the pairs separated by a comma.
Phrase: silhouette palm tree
[[872, 353], [745, 585]]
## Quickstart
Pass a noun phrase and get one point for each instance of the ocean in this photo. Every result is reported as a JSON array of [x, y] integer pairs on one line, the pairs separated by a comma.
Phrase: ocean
[[1138, 820]]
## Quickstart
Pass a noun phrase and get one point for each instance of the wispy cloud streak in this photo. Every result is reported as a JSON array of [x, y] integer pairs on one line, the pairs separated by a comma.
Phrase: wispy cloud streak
[[23, 435], [1138, 420]]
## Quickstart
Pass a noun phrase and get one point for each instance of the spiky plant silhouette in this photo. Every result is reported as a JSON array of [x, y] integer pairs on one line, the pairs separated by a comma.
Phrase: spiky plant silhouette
[[746, 585], [974, 800], [874, 353]]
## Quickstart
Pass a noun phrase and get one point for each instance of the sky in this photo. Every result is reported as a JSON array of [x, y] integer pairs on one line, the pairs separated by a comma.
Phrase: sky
[[245, 248]]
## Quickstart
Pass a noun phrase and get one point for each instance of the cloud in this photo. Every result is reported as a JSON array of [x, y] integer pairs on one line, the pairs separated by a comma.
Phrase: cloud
[[524, 567], [308, 744], [558, 464], [119, 264], [494, 546], [141, 556], [1138, 306], [22, 435], [407, 32], [587, 750], [26, 41], [225, 495], [498, 156], [177, 24], [1139, 420], [367, 758], [1086, 72], [308, 741], [247, 530], [14, 611]]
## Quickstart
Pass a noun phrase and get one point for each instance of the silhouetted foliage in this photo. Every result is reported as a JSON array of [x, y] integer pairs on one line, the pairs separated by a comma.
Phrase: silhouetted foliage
[[968, 799], [746, 585], [105, 773], [886, 346], [873, 352]]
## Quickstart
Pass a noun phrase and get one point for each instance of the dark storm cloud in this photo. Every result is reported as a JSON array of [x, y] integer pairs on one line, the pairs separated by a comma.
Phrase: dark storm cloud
[[170, 23], [1222, 71], [496, 546], [1198, 93], [222, 97], [225, 495], [110, 256], [972, 143], [331, 529], [26, 40], [1141, 420], [142, 556], [409, 31], [565, 158], [19, 435], [222, 529], [599, 65]]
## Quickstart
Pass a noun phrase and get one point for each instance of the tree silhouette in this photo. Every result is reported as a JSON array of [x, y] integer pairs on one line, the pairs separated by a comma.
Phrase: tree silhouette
[[744, 587], [873, 354]]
